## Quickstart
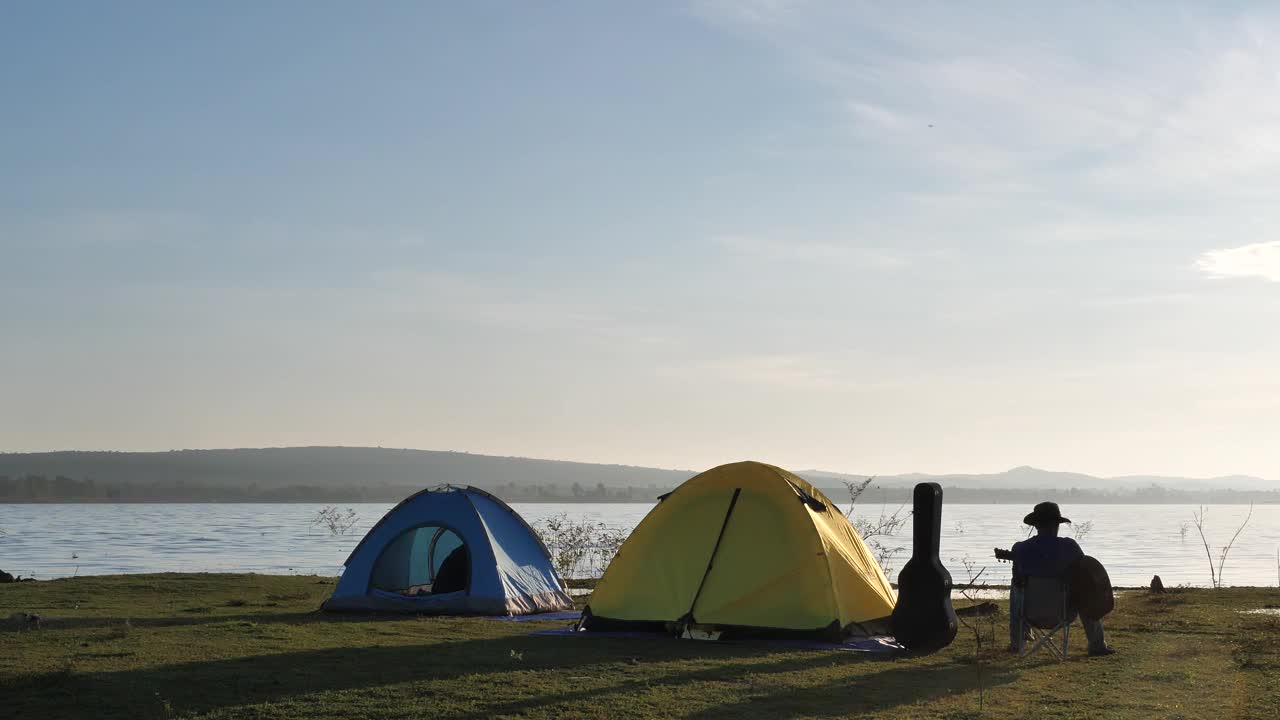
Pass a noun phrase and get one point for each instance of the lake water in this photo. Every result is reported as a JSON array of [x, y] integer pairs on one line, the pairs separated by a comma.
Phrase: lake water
[[51, 541]]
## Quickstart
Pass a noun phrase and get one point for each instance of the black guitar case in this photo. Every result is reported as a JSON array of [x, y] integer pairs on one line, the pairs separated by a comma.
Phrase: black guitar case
[[923, 619], [1091, 592]]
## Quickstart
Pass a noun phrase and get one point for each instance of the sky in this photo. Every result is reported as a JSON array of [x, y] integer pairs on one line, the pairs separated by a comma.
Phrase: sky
[[872, 238]]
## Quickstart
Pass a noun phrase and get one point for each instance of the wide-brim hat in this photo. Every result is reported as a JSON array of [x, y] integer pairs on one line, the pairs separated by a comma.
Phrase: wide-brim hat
[[1045, 513]]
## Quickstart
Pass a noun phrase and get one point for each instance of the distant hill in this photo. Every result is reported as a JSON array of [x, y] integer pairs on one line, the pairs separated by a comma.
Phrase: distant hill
[[1030, 478], [338, 474], [329, 467]]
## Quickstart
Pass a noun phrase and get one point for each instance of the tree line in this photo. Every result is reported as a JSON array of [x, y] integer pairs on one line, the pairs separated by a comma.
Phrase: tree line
[[63, 488], [33, 487]]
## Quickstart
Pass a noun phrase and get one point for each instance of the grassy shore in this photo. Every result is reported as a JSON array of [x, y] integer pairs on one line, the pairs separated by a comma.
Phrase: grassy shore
[[253, 646]]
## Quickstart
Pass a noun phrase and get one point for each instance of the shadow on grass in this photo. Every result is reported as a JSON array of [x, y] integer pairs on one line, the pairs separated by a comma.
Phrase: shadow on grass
[[204, 686], [896, 685], [893, 685], [105, 623], [197, 687]]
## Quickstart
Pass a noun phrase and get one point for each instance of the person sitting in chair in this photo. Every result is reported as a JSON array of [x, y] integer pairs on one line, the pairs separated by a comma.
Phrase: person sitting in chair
[[1047, 555]]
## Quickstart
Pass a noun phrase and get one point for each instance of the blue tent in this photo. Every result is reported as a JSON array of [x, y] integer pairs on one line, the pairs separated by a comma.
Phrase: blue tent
[[451, 550]]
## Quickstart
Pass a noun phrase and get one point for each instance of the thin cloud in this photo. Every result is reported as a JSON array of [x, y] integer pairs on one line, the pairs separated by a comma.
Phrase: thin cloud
[[1122, 301], [115, 230], [496, 303], [978, 103], [751, 13], [811, 252], [1259, 260], [876, 116], [791, 372]]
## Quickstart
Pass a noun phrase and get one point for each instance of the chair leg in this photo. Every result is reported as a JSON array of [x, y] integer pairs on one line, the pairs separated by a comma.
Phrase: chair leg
[[1040, 639], [1048, 639], [1053, 647]]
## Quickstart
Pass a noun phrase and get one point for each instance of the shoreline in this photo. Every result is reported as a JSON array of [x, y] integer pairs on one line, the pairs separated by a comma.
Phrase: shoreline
[[980, 592], [579, 501]]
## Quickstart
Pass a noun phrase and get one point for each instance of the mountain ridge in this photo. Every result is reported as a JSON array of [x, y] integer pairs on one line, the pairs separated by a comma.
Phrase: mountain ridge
[[1029, 477], [344, 466]]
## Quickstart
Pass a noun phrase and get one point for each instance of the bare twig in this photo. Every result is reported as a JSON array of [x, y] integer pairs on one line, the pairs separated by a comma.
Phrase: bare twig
[[1199, 521], [1080, 529], [973, 580], [1222, 559], [876, 533], [1215, 573], [855, 491], [973, 627]]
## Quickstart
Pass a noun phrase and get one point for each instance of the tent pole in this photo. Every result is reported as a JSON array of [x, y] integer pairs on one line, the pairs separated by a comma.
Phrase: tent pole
[[711, 561]]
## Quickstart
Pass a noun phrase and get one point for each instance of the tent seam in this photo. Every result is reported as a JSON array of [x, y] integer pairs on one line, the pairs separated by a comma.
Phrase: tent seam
[[826, 556]]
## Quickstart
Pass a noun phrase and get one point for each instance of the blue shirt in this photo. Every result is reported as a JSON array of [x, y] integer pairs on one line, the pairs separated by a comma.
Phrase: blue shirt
[[1045, 556]]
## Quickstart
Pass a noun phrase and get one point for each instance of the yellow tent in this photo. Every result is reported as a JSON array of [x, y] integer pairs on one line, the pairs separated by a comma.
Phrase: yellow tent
[[745, 546]]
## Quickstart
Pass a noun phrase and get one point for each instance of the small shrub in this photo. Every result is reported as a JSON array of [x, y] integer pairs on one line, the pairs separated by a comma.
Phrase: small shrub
[[878, 533], [1080, 529], [579, 548], [336, 521]]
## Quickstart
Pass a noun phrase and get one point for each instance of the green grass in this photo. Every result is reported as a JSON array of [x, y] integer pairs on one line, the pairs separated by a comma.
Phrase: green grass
[[253, 646]]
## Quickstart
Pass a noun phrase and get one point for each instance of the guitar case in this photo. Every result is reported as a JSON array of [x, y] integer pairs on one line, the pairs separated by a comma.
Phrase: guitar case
[[923, 618], [1091, 592]]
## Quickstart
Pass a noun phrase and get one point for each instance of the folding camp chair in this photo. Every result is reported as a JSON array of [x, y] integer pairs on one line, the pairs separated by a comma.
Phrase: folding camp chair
[[1046, 612]]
